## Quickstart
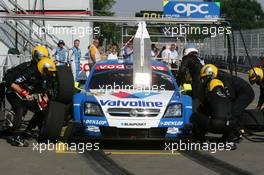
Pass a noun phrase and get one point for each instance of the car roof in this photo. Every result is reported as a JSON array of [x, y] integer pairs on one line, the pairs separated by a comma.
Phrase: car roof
[[103, 62], [126, 62]]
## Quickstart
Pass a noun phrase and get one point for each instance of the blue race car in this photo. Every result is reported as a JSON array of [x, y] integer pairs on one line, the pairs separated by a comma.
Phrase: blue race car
[[111, 108]]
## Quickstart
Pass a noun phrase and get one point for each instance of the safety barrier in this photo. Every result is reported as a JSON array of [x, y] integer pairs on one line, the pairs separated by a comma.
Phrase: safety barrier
[[215, 49], [241, 62]]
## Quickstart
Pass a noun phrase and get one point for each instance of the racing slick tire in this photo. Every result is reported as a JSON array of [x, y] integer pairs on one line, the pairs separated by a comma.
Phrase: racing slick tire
[[65, 82], [53, 122]]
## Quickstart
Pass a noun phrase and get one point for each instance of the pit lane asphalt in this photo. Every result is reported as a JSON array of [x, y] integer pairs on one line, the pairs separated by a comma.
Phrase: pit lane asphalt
[[133, 158]]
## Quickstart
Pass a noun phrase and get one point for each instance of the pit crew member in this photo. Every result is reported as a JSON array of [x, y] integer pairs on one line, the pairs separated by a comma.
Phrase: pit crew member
[[255, 75], [239, 92], [27, 79]]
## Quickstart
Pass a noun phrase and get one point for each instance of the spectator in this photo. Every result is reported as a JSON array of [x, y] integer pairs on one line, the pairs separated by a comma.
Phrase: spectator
[[173, 54], [108, 51], [94, 52], [111, 47], [174, 60], [128, 51], [61, 54], [154, 50], [113, 55], [166, 54], [115, 46], [75, 57], [160, 52]]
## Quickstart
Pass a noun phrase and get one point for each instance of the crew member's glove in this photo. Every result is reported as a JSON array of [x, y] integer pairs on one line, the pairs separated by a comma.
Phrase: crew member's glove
[[42, 104], [25, 94], [42, 101]]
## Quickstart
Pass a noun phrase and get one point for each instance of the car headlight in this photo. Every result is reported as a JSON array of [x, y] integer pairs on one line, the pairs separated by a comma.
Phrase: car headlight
[[173, 111], [92, 109]]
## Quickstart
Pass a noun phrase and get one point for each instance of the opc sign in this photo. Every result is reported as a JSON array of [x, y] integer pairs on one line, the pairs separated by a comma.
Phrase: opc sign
[[191, 9]]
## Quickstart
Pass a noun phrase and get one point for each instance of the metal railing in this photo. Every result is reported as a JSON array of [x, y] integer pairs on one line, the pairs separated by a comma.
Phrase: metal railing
[[215, 50]]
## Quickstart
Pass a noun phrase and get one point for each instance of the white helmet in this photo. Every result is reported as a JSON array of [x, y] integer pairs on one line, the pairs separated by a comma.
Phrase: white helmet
[[189, 50]]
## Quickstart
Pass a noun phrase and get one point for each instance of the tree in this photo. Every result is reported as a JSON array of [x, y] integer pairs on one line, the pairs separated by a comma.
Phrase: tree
[[103, 7], [244, 14], [108, 30]]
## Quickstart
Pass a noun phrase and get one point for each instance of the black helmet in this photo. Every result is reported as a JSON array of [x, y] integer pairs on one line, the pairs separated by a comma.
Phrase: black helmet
[[61, 42]]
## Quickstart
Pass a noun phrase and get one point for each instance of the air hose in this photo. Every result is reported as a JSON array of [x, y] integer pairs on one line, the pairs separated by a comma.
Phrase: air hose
[[250, 136]]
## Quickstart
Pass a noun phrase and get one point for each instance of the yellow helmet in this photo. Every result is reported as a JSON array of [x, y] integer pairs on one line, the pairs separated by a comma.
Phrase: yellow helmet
[[40, 52], [209, 70], [47, 64], [215, 83], [255, 74]]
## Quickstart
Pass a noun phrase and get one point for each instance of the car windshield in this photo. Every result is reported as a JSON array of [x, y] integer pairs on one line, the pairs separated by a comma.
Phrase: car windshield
[[113, 79]]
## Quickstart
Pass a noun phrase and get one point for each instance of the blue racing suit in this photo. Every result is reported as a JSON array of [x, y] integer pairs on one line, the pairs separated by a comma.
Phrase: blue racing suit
[[76, 52], [62, 55]]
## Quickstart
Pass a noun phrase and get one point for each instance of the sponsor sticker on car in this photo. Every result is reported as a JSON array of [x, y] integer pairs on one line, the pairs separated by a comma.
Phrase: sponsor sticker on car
[[125, 67]]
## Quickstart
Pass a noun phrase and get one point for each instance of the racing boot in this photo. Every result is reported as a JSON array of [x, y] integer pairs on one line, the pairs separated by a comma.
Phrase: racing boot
[[18, 141], [234, 136], [233, 139], [29, 134], [232, 146]]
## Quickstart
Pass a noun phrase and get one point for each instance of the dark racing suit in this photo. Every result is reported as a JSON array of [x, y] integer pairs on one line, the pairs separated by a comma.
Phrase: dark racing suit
[[213, 114], [261, 96], [220, 109], [239, 91], [192, 64], [27, 76]]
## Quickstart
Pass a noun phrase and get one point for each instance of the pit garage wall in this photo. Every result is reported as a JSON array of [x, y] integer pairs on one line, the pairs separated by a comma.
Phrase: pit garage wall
[[64, 7]]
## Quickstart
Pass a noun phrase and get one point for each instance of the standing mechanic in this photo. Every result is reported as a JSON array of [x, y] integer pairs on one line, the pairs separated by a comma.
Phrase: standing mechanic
[[236, 89], [192, 64], [255, 75], [22, 82], [75, 57], [61, 54]]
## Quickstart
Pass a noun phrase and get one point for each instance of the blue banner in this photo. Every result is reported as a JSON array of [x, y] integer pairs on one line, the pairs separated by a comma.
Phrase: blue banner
[[191, 9]]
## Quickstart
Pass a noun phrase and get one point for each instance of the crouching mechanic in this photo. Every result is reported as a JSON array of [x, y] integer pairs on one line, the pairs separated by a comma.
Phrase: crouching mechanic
[[239, 93], [28, 92], [255, 75], [214, 113]]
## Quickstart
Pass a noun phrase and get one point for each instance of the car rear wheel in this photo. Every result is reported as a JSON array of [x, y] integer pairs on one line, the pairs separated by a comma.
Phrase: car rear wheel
[[53, 122], [65, 85]]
